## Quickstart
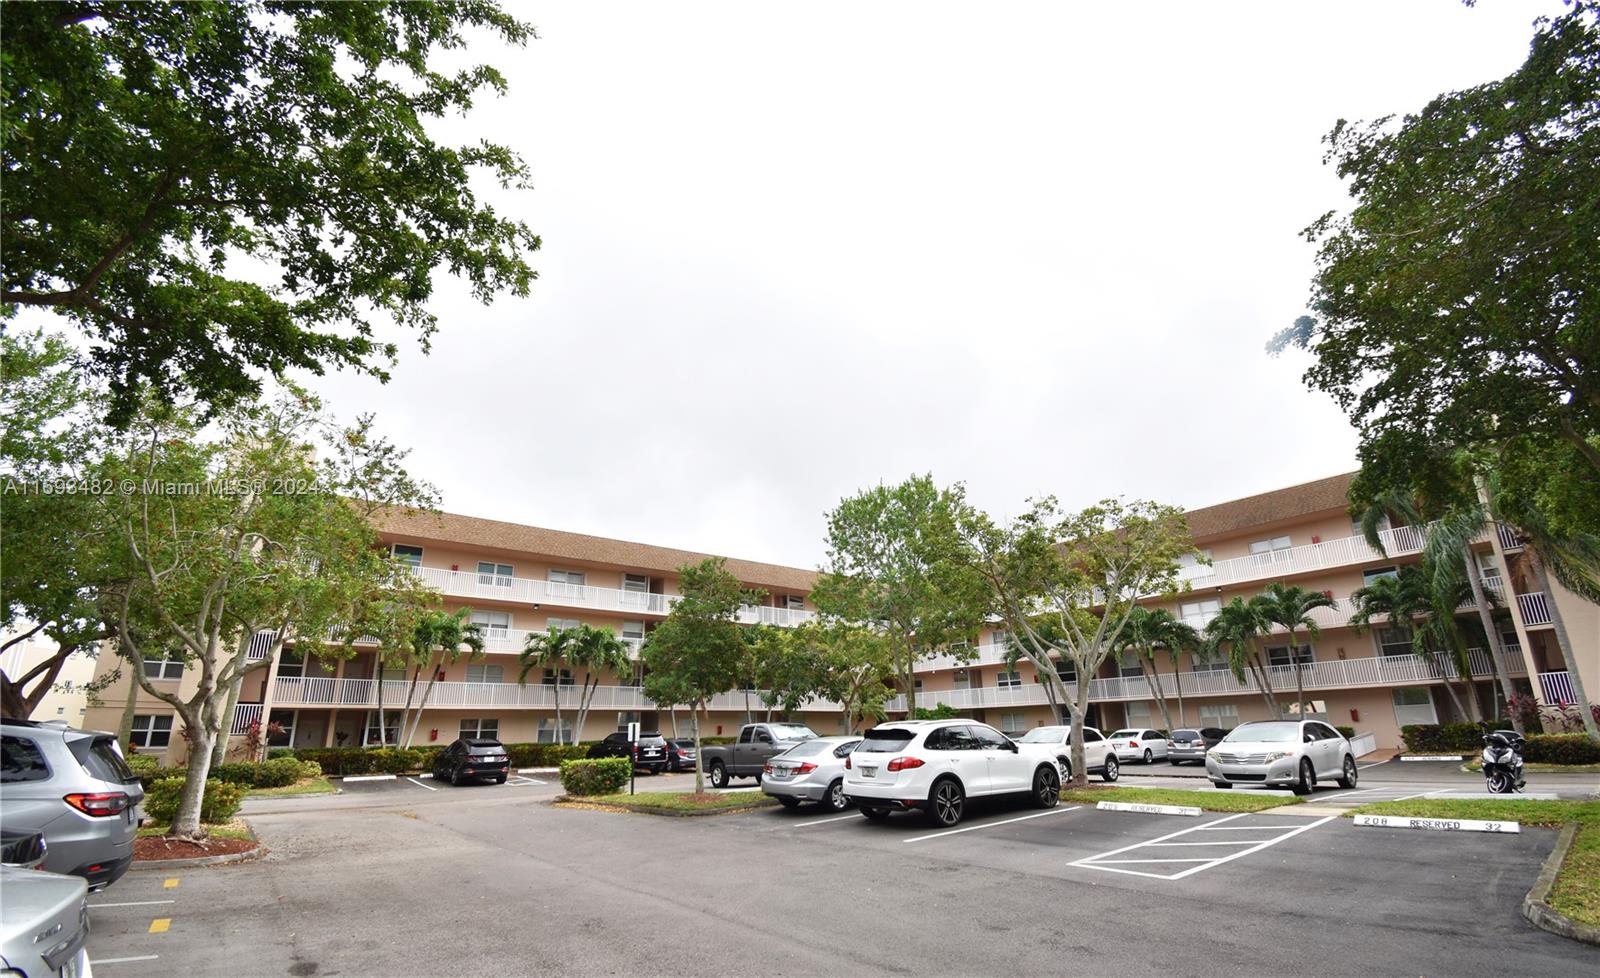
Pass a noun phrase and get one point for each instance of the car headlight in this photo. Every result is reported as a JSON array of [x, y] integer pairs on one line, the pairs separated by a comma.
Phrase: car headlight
[[1277, 755]]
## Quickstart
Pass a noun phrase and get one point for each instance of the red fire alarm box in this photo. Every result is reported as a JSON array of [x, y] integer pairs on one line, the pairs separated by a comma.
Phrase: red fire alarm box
[[1315, 538], [1355, 715], [433, 734]]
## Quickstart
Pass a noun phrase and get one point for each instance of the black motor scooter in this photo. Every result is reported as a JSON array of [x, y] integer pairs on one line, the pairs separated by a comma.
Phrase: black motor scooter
[[1502, 761]]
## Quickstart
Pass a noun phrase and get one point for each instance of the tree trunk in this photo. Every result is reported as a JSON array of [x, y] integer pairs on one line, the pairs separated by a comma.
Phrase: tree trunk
[[1080, 709], [1496, 649], [585, 700], [556, 692], [219, 752], [1177, 682], [1299, 677], [383, 740], [129, 708], [1559, 624], [427, 691], [699, 753], [186, 823], [1264, 680], [1160, 694]]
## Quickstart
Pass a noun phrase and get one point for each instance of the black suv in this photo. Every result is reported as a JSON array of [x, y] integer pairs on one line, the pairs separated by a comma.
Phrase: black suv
[[650, 753], [472, 759]]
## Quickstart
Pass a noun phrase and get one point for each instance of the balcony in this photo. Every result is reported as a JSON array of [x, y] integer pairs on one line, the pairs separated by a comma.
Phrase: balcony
[[522, 590], [1557, 688], [363, 694], [1510, 540], [1535, 609], [1303, 559]]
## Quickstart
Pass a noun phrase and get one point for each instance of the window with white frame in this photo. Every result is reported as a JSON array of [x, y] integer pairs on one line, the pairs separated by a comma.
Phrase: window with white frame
[[1013, 723], [1272, 545], [547, 730], [1278, 655], [1194, 560], [551, 624], [1395, 642], [494, 624], [1216, 662], [291, 665], [550, 677], [163, 667], [634, 676], [1383, 524], [498, 575], [1224, 715], [625, 717], [1008, 680], [961, 679], [478, 672], [480, 728], [1130, 664], [151, 731], [566, 583], [1139, 715], [793, 602], [1000, 638], [633, 631], [407, 554], [284, 719], [391, 728], [1378, 573], [1197, 613], [1414, 705], [635, 589]]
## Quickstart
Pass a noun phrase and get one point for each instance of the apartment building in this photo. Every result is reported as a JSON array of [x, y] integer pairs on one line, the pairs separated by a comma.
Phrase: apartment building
[[521, 579]]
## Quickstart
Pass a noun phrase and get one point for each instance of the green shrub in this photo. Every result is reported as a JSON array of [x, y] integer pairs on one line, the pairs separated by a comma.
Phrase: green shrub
[[236, 772], [601, 776], [715, 741], [221, 801], [273, 753], [342, 761], [1438, 738], [277, 773], [1349, 733], [147, 778], [1561, 749], [143, 764], [309, 769], [396, 760]]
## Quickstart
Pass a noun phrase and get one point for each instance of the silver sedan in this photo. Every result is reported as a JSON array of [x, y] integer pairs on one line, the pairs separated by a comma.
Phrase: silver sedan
[[1293, 754], [812, 770]]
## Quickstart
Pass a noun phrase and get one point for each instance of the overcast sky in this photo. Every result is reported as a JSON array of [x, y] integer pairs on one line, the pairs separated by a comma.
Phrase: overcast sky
[[791, 251]]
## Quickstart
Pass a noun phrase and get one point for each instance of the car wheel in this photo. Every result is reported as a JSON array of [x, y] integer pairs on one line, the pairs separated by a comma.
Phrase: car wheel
[[1308, 779], [658, 769], [875, 814], [1046, 787], [455, 777], [946, 802], [1349, 773], [719, 775], [835, 798], [500, 780], [788, 802], [1148, 757], [1113, 770], [1174, 762]]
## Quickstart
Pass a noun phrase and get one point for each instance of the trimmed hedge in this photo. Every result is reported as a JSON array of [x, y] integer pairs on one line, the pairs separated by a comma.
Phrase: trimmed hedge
[[276, 773], [601, 776], [1348, 733], [1437, 737], [343, 761], [221, 802], [1561, 749]]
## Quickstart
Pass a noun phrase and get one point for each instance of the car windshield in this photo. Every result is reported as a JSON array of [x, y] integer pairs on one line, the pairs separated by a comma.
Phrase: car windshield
[[1185, 735], [792, 731], [1125, 735], [100, 758], [885, 741], [1265, 733], [1045, 735], [810, 748]]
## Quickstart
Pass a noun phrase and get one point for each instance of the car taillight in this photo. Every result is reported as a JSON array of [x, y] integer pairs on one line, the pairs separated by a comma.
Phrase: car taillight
[[683, 754], [766, 768], [847, 762], [805, 769], [1133, 743], [904, 763], [100, 804]]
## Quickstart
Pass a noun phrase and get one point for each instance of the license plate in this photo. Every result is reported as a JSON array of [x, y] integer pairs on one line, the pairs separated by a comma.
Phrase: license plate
[[869, 772]]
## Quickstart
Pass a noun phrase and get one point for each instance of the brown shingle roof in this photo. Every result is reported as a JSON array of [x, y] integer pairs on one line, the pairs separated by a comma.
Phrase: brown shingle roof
[[1272, 507], [472, 531]]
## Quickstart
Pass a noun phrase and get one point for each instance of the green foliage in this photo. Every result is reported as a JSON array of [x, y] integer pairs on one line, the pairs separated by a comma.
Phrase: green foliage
[[274, 773], [1348, 733], [697, 652], [940, 711], [1561, 749], [143, 764], [221, 802], [601, 776], [276, 752], [584, 649], [342, 761], [1435, 738], [217, 190]]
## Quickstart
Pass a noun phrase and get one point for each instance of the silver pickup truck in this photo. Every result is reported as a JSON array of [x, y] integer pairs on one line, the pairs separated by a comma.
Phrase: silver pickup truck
[[757, 742]]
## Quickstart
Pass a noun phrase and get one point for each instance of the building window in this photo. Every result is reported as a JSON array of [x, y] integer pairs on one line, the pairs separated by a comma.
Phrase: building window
[[1367, 577], [550, 677], [547, 730], [1008, 680], [1217, 663], [1193, 560], [407, 554], [1131, 665], [1013, 723], [1224, 715], [164, 667], [1269, 546], [961, 679], [1197, 613], [480, 728], [151, 731], [284, 719], [391, 728], [635, 589], [291, 665], [793, 602], [495, 624], [477, 672], [625, 717], [1278, 655], [633, 631], [495, 574], [1414, 705], [635, 678], [1000, 638], [1138, 714], [567, 583], [1395, 641], [554, 624]]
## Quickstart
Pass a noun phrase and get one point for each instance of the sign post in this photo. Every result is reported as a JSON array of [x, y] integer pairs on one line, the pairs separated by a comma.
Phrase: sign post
[[633, 754]]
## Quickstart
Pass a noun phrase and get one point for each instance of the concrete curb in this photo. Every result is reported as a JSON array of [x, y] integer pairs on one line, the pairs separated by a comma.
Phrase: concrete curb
[[566, 801], [164, 864], [1539, 913]]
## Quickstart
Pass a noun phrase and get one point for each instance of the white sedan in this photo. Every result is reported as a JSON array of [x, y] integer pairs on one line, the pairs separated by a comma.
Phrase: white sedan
[[1136, 744]]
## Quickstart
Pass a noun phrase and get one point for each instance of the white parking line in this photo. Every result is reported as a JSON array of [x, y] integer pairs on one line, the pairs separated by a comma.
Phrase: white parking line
[[134, 903], [825, 821], [1105, 863], [141, 957], [987, 825], [421, 785]]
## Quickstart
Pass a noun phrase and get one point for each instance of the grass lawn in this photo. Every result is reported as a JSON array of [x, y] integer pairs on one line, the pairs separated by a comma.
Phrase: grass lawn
[[1477, 765], [683, 801], [227, 830], [1214, 801], [1577, 889], [305, 786]]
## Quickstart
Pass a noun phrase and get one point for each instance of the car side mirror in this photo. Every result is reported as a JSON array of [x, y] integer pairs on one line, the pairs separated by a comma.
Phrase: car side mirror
[[1013, 745], [1309, 738]]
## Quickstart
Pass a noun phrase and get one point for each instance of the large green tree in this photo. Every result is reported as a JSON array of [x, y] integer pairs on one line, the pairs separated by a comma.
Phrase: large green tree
[[217, 191], [1289, 607]]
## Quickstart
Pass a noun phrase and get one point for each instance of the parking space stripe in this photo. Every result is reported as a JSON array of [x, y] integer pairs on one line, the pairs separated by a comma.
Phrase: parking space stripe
[[421, 785], [1109, 861], [987, 825], [825, 821], [134, 903], [1220, 842], [1246, 852], [96, 962], [1243, 828], [1105, 861]]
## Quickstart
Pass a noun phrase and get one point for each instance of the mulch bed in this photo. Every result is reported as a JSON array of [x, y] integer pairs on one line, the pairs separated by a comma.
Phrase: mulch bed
[[158, 847]]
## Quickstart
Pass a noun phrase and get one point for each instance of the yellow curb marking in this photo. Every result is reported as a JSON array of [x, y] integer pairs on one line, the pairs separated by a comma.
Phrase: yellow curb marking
[[169, 884], [160, 925]]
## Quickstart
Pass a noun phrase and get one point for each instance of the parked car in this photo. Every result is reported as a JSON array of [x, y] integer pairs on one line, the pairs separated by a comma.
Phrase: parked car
[[1191, 744], [935, 765], [1282, 754], [747, 757], [1139, 744], [649, 753], [22, 850], [680, 754], [74, 788], [1097, 752], [472, 759], [812, 770], [44, 923]]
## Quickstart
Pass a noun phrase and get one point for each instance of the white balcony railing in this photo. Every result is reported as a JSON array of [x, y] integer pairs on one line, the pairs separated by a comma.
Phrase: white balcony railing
[[1510, 539], [244, 714], [490, 587], [1535, 608], [1557, 688], [363, 693], [1308, 557]]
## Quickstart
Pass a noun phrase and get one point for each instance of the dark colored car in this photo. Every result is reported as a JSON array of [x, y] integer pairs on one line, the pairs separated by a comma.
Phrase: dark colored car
[[1191, 743], [472, 759], [680, 754], [650, 753]]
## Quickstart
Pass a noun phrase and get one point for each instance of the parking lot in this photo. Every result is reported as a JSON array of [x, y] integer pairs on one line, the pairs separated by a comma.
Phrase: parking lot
[[401, 877]]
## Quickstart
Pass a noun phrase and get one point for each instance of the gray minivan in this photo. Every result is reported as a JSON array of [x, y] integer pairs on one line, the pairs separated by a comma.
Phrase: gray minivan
[[75, 788]]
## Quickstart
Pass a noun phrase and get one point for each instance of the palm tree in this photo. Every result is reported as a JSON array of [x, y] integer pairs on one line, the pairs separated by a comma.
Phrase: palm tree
[[597, 651], [1290, 606], [1405, 599], [1148, 629], [1178, 637], [440, 639], [549, 651], [1239, 625]]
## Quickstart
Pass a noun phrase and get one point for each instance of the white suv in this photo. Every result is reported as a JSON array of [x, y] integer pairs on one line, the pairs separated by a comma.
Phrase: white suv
[[1099, 758], [936, 765]]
